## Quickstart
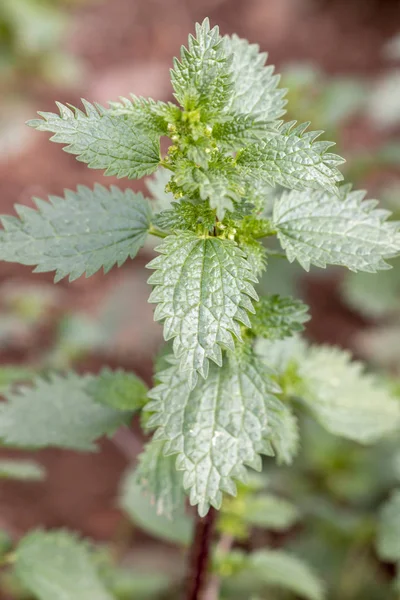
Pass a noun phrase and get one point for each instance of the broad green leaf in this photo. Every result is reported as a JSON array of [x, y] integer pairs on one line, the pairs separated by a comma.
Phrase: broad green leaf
[[118, 389], [277, 568], [388, 541], [278, 317], [203, 290], [343, 398], [57, 411], [291, 158], [202, 78], [279, 354], [255, 90], [217, 428], [270, 512], [137, 504], [156, 186], [57, 565], [157, 476], [186, 215], [113, 143], [127, 583], [88, 230], [235, 131], [319, 228], [256, 256], [285, 436], [24, 470]]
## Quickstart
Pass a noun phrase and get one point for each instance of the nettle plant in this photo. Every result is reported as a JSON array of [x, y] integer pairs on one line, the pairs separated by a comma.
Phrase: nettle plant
[[234, 372]]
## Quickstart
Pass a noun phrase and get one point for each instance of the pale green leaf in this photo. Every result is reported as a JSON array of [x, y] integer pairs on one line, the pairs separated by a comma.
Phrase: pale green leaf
[[57, 566], [279, 354], [291, 158], [202, 78], [23, 470], [255, 90], [225, 423], [203, 290], [57, 411], [88, 230], [186, 215], [280, 569], [144, 113], [343, 398], [157, 187], [278, 317], [388, 540], [319, 228], [270, 512], [160, 481], [104, 141], [140, 508], [118, 389], [285, 437]]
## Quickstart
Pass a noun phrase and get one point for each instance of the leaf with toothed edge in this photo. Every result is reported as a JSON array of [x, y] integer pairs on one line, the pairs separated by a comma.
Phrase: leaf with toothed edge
[[291, 158], [82, 233], [203, 290], [160, 481], [105, 141], [219, 427], [319, 228]]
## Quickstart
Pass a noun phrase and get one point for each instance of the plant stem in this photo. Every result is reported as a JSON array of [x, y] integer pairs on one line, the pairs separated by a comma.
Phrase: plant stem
[[223, 547], [157, 232], [200, 555]]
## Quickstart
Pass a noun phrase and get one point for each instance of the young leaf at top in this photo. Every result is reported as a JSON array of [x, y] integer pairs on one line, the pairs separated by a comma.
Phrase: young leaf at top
[[57, 411], [255, 92], [118, 389], [226, 422], [162, 200], [343, 398], [277, 317], [319, 228], [137, 505], [88, 230], [114, 143], [202, 78], [58, 565], [203, 290], [160, 481], [23, 470], [388, 541], [291, 158]]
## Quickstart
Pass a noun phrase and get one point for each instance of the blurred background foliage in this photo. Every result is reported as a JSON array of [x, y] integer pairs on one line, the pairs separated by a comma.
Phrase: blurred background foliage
[[341, 63]]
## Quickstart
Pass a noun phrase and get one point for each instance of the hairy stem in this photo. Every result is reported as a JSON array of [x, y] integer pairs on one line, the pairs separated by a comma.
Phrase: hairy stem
[[200, 555]]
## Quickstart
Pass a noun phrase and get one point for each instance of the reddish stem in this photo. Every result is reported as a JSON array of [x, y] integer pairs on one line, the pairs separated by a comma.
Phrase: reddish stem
[[200, 555]]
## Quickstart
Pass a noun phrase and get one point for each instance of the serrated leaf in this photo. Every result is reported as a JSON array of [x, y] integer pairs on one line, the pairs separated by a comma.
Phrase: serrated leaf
[[23, 470], [202, 78], [278, 568], [255, 89], [186, 215], [160, 481], [144, 512], [118, 389], [156, 186], [291, 158], [88, 230], [278, 317], [278, 354], [225, 423], [145, 113], [113, 143], [235, 131], [343, 398], [203, 290], [388, 540], [285, 436], [319, 228], [256, 256], [58, 565], [270, 512], [58, 412]]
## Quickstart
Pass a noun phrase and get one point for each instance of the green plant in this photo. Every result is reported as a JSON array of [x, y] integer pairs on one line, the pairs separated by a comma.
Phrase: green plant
[[234, 375]]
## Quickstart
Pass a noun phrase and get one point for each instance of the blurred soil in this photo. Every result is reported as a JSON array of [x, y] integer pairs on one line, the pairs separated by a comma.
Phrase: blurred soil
[[127, 46]]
